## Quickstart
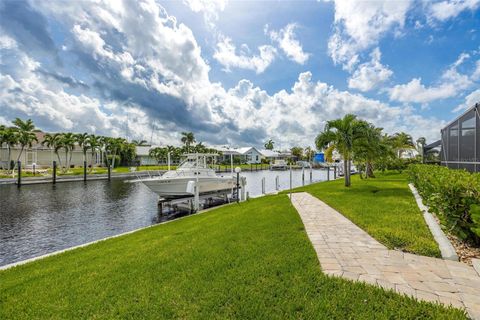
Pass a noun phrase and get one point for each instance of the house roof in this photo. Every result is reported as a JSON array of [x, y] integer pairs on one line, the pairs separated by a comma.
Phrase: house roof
[[143, 150]]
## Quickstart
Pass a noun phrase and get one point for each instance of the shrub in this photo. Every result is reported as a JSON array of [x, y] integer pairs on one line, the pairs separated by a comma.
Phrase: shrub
[[454, 195]]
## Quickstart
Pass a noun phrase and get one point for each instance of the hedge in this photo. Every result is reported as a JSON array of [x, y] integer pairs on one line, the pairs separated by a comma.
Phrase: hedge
[[454, 195]]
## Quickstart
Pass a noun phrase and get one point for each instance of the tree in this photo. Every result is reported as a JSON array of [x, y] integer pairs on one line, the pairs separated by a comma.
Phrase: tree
[[25, 134], [10, 138], [187, 139], [269, 145], [139, 142], [67, 142], [371, 147], [309, 153], [94, 144], [297, 152], [159, 153], [53, 141], [420, 146], [82, 141], [401, 141], [343, 134], [114, 146]]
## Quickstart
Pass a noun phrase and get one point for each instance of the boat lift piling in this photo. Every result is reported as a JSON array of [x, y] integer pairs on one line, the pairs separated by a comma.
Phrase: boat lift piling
[[277, 184]]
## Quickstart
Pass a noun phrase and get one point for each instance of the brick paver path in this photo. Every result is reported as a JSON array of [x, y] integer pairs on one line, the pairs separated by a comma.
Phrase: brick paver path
[[347, 251]]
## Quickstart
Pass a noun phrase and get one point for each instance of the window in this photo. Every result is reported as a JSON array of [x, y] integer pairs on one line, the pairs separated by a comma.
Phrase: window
[[467, 137], [453, 142]]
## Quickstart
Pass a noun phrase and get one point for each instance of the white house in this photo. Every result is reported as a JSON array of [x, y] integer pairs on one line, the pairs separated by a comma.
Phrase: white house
[[143, 156], [249, 155]]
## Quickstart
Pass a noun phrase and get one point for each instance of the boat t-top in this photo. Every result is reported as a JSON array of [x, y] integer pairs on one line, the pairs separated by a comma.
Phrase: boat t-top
[[194, 171]]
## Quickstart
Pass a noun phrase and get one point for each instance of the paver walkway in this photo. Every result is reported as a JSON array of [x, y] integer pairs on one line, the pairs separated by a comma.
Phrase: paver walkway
[[347, 251]]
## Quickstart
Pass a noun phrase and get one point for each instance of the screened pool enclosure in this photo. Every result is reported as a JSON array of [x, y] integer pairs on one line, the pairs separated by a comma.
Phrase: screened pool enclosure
[[461, 141]]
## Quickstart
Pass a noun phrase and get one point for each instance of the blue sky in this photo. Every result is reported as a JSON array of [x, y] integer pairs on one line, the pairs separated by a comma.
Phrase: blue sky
[[237, 72]]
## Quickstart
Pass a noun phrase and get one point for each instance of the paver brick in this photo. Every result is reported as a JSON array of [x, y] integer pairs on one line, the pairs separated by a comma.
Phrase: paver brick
[[345, 250]]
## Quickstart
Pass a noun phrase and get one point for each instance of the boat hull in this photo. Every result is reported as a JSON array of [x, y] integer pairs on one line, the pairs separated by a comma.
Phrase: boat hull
[[178, 187]]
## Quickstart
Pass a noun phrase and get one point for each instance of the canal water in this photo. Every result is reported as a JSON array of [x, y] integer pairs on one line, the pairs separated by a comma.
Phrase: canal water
[[39, 219]]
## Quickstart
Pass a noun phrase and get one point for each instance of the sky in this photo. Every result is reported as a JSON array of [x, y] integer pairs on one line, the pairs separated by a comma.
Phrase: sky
[[237, 72]]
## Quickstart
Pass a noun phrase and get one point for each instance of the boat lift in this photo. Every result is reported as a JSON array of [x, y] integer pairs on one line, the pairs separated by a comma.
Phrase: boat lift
[[197, 201]]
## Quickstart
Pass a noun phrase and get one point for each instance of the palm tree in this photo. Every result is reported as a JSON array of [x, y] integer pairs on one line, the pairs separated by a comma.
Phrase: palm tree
[[82, 141], [114, 146], [159, 153], [139, 142], [25, 134], [401, 142], [67, 141], [269, 144], [420, 146], [370, 147], [94, 144], [297, 152], [10, 138], [342, 133], [53, 141], [187, 139]]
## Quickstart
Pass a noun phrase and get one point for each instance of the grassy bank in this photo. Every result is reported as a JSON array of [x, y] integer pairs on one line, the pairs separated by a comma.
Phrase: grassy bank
[[384, 207], [248, 260]]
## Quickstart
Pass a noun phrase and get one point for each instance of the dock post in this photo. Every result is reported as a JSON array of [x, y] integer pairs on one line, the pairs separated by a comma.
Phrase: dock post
[[290, 181], [335, 172], [54, 172], [197, 197], [303, 175], [243, 183], [276, 183], [328, 173], [34, 167], [85, 171], [263, 185], [311, 174], [19, 178], [109, 172]]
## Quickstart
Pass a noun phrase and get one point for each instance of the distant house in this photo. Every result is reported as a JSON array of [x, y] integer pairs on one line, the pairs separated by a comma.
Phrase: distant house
[[249, 155], [43, 156], [143, 156]]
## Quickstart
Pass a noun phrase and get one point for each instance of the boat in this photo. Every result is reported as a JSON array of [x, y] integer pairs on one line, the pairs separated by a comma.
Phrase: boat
[[194, 170], [279, 165]]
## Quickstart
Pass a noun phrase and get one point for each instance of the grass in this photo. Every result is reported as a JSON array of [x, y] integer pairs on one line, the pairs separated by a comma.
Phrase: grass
[[248, 260], [384, 207]]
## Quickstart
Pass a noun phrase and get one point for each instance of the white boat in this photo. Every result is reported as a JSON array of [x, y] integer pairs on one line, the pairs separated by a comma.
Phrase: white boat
[[279, 165], [194, 170]]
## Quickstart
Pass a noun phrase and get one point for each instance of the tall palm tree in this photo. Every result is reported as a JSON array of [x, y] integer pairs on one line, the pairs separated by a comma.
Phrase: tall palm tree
[[139, 142], [420, 146], [187, 139], [115, 146], [370, 147], [67, 140], [82, 141], [402, 141], [342, 133], [269, 144], [53, 141], [25, 134], [10, 138], [94, 144]]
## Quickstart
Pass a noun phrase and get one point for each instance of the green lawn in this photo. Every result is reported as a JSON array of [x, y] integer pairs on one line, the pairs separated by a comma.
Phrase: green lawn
[[384, 207], [244, 261]]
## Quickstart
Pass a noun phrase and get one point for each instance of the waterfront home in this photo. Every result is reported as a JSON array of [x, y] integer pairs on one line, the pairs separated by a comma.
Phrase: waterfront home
[[143, 156], [249, 155], [43, 156]]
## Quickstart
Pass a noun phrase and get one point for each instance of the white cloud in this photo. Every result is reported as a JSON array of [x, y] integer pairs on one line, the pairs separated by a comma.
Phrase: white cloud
[[450, 85], [360, 25], [209, 8], [470, 100], [142, 52], [445, 10], [286, 40], [371, 74], [226, 54]]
